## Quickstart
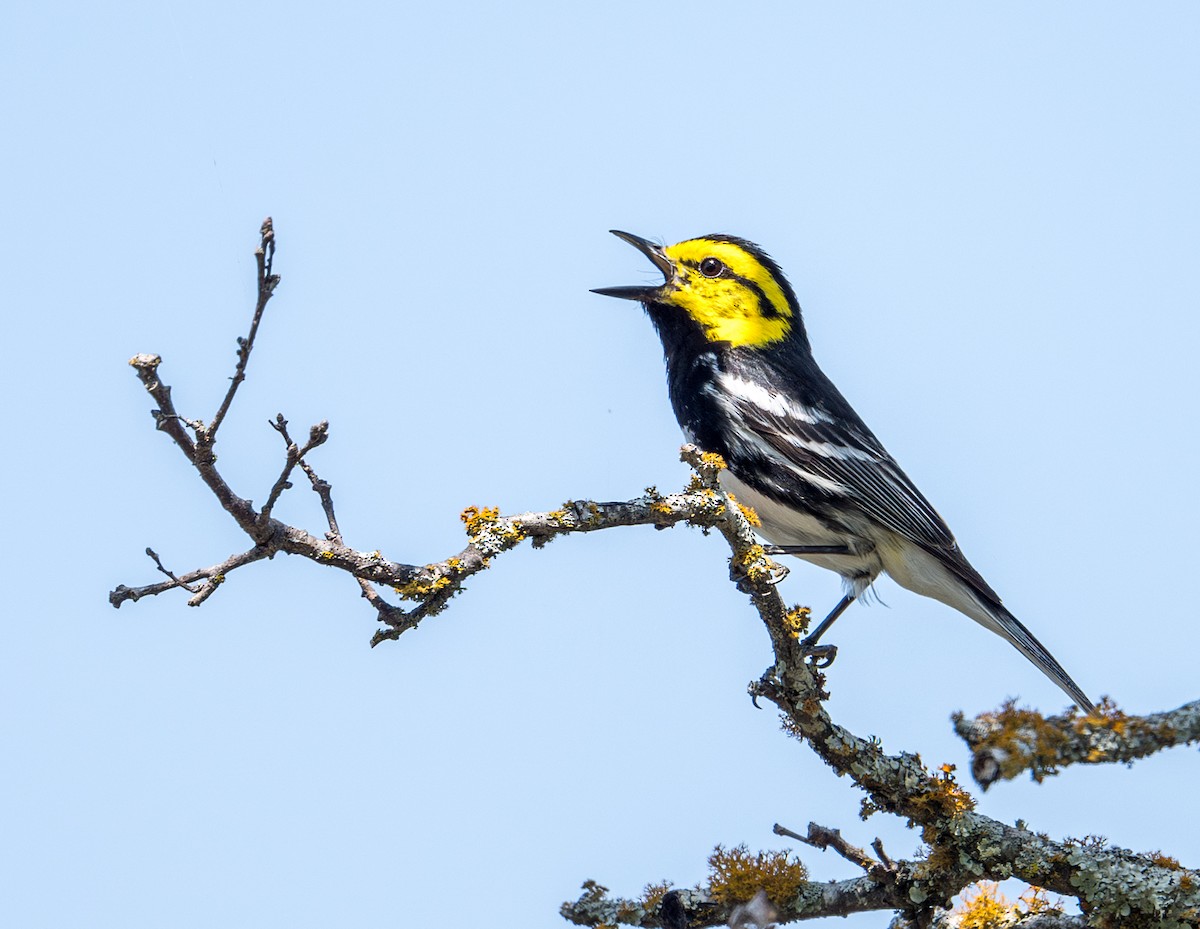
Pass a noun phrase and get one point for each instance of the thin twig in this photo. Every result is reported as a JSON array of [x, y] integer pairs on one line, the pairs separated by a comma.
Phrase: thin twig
[[887, 862], [267, 282], [213, 576], [824, 838], [318, 435], [178, 583], [394, 617]]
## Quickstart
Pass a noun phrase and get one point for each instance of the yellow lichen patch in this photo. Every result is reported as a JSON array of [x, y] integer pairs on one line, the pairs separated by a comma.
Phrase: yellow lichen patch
[[940, 858], [796, 621], [1036, 900], [1023, 739], [735, 876], [747, 511], [661, 508], [477, 518], [985, 908], [1109, 716], [419, 589], [652, 896], [327, 555], [486, 523], [945, 797], [752, 563]]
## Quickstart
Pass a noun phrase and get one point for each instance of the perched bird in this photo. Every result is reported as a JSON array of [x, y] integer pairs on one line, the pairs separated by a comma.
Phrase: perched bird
[[743, 383]]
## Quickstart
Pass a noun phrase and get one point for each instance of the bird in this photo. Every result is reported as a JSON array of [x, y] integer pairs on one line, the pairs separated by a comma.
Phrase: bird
[[743, 383]]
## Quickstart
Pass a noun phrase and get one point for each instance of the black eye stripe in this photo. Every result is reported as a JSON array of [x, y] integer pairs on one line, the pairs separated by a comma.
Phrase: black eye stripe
[[765, 306]]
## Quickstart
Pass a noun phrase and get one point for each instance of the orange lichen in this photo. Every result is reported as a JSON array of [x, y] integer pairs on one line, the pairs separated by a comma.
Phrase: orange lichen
[[747, 511], [1022, 738], [735, 875], [652, 896], [752, 562], [429, 583], [1036, 900], [477, 519], [985, 907], [1109, 716], [486, 521], [944, 797], [796, 621]]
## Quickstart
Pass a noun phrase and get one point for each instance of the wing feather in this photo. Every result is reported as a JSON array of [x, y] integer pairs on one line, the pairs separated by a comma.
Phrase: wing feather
[[842, 450]]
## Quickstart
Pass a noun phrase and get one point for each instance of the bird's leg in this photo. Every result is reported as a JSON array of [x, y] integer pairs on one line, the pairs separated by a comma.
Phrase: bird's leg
[[823, 655], [807, 550]]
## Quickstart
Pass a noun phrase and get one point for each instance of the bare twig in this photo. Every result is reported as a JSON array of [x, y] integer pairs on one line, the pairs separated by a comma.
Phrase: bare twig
[[318, 435], [824, 838], [178, 583], [267, 282], [887, 862], [212, 576], [393, 616]]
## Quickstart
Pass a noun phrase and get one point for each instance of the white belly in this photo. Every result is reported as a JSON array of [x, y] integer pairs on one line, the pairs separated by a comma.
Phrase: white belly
[[784, 525]]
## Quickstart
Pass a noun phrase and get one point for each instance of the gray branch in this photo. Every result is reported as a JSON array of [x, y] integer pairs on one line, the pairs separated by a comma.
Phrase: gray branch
[[1013, 740]]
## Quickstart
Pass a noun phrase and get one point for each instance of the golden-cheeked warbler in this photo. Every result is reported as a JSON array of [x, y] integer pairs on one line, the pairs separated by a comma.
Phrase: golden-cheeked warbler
[[743, 383]]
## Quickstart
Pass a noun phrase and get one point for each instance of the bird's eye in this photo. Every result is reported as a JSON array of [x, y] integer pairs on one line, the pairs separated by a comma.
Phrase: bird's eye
[[711, 267]]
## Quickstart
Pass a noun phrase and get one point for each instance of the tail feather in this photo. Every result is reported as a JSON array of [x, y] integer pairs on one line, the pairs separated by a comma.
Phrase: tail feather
[[1012, 629]]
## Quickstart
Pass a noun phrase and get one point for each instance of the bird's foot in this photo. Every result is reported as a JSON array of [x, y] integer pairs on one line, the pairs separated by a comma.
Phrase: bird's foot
[[821, 655], [741, 578]]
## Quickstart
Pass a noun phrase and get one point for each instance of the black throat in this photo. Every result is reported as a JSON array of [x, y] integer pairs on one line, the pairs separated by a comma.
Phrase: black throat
[[692, 364]]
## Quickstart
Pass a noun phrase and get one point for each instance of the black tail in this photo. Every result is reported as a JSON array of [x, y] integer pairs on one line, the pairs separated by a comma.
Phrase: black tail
[[1012, 629]]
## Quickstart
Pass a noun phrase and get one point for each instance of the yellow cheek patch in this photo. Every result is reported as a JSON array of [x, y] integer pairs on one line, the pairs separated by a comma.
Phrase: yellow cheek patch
[[748, 308]]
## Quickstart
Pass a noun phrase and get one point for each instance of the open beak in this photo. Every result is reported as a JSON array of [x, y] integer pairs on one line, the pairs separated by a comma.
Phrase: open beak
[[654, 253]]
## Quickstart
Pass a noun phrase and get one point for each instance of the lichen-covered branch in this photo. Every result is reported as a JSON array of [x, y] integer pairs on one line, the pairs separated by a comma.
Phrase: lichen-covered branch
[[1013, 740], [1110, 883], [810, 900], [1113, 886], [956, 919]]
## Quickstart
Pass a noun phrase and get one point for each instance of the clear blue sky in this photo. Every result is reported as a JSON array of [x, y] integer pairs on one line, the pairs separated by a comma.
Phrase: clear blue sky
[[991, 215]]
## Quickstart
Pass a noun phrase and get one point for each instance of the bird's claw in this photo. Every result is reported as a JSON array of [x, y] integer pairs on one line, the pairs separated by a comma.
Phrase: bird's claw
[[743, 583], [821, 655]]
